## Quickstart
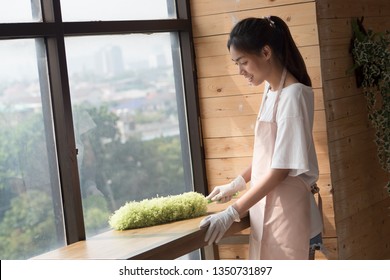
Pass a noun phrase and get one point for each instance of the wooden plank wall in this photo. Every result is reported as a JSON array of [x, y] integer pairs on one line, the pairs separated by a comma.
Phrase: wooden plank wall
[[229, 106], [360, 201]]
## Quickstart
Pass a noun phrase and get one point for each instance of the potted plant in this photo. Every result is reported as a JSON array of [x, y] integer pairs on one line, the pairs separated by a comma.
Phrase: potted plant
[[371, 55]]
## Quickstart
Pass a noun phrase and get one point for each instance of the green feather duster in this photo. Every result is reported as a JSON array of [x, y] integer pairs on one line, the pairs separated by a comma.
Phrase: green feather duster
[[159, 210]]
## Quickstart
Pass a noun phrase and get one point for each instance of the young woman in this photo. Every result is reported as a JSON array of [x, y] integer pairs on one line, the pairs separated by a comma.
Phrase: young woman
[[283, 213]]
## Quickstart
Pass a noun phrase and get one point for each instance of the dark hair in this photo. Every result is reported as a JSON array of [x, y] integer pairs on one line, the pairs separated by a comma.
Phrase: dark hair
[[252, 34]]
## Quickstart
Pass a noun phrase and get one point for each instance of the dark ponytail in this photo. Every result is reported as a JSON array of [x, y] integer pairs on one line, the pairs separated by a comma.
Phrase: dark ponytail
[[252, 34]]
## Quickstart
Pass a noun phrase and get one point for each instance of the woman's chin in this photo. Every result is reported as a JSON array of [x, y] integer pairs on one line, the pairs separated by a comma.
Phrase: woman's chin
[[255, 83]]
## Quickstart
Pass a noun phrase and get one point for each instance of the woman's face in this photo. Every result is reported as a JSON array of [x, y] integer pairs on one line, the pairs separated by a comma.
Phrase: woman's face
[[254, 67]]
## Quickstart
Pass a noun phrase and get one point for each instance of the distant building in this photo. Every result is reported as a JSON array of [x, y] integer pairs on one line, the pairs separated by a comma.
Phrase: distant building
[[110, 61]]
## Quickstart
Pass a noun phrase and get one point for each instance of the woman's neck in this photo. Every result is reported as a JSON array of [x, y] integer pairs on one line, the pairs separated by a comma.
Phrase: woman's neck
[[275, 80]]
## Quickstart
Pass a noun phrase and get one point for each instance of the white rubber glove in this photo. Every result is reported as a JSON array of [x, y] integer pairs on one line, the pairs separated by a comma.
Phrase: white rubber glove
[[225, 193], [219, 223]]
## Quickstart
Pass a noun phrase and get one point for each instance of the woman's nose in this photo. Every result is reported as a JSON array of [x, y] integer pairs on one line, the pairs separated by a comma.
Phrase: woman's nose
[[240, 70]]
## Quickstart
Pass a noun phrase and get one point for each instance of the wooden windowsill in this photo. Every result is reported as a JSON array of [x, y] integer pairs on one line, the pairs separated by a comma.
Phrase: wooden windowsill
[[167, 241]]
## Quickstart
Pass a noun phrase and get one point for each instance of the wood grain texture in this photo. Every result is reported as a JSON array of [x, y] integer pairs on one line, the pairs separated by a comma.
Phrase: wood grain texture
[[207, 7], [224, 86], [349, 8], [360, 201], [293, 15]]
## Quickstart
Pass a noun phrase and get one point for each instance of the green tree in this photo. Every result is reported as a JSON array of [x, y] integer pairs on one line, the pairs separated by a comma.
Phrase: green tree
[[27, 228], [122, 170]]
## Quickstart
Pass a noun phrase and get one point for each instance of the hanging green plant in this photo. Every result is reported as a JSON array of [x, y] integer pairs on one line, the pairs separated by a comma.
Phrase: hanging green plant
[[371, 55]]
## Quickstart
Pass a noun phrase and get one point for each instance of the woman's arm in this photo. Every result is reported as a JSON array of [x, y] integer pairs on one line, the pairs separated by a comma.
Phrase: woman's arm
[[246, 174], [260, 190]]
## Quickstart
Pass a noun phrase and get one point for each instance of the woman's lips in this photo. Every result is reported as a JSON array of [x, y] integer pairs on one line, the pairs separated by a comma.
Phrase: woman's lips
[[249, 78]]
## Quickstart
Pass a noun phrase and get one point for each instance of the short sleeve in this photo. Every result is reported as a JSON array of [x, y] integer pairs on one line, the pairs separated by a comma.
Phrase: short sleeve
[[293, 145]]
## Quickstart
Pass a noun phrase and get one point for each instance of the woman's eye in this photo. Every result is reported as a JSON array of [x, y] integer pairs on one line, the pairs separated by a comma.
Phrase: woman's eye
[[241, 63]]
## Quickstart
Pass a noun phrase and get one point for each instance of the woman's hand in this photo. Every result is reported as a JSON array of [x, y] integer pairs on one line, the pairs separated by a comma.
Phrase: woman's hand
[[219, 223], [226, 192]]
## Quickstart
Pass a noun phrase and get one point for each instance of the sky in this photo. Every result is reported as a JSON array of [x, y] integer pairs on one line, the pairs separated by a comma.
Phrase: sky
[[74, 10], [18, 57], [113, 9]]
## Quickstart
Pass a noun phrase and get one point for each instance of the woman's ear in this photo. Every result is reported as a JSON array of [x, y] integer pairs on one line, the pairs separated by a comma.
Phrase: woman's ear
[[266, 52]]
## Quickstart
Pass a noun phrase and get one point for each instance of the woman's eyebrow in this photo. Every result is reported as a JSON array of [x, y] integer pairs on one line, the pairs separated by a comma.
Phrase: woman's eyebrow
[[236, 60]]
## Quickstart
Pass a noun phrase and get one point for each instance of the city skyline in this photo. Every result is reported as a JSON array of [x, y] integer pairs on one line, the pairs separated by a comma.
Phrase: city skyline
[[19, 60], [16, 55]]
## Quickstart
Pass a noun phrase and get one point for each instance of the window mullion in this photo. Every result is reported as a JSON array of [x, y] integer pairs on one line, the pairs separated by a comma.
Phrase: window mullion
[[50, 138], [63, 125], [125, 27]]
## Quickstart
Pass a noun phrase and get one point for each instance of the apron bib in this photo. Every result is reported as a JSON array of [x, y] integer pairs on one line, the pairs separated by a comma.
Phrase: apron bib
[[280, 222]]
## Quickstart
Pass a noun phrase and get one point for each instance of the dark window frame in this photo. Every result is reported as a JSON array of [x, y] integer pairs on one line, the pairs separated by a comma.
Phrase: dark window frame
[[53, 31]]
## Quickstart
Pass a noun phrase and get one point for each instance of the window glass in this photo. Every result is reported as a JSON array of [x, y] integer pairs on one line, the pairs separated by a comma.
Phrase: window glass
[[126, 93], [31, 220], [92, 10], [19, 11]]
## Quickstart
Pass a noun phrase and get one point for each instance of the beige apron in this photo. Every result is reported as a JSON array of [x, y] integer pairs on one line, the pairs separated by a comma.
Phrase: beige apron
[[280, 222]]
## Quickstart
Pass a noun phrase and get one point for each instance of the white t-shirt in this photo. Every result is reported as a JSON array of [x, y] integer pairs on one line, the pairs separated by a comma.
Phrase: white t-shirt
[[294, 146]]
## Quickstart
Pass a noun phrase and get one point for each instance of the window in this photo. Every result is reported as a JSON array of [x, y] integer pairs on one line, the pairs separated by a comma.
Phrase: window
[[20, 11], [126, 123], [96, 111], [117, 10], [31, 215]]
